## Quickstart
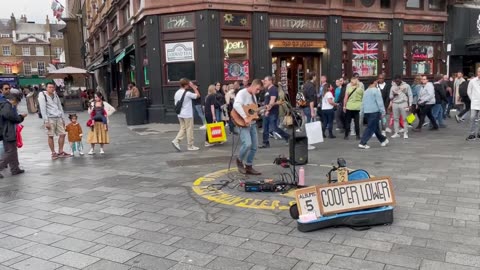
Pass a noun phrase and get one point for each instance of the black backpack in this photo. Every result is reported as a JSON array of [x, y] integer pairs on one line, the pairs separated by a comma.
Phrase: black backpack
[[179, 104], [39, 112], [463, 89]]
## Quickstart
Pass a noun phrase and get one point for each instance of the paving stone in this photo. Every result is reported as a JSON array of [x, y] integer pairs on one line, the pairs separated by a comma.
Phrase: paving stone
[[191, 257], [231, 252], [147, 225], [150, 236], [6, 255], [20, 231], [187, 232], [224, 239], [116, 211], [92, 249], [115, 254], [419, 252], [196, 245], [250, 234], [66, 210], [34, 223], [393, 267], [354, 264], [387, 237], [108, 265], [42, 251], [35, 264], [260, 246], [151, 262], [113, 240], [360, 253], [11, 242], [11, 217], [56, 228], [286, 240], [323, 267], [369, 244], [153, 249], [310, 256], [16, 260], [227, 263], [87, 235], [434, 265], [73, 244], [273, 261], [330, 248], [74, 259], [393, 259], [463, 259], [121, 230], [46, 238]]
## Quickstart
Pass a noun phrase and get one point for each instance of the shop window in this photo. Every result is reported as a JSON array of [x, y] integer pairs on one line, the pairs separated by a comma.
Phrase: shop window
[[345, 58], [176, 71], [405, 59], [41, 68], [422, 59], [235, 49], [236, 59], [7, 69], [385, 4], [27, 68], [436, 4], [365, 58], [415, 4]]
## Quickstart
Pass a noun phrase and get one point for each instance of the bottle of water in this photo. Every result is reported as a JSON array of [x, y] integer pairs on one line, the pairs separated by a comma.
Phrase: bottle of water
[[301, 177]]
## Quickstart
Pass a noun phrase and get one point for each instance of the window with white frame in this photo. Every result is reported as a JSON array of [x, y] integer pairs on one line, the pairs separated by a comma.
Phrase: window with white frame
[[4, 35], [39, 51], [7, 69], [6, 51], [26, 51], [27, 68], [41, 68], [58, 51]]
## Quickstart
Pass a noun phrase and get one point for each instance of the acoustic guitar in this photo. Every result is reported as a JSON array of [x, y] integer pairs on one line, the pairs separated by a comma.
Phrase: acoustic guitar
[[252, 111]]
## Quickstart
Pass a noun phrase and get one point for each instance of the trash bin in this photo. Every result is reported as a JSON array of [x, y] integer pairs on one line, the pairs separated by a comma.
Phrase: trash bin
[[136, 111]]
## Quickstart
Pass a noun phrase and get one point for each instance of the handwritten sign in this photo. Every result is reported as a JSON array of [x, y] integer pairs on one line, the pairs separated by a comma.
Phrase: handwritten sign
[[302, 24], [342, 175], [355, 195], [307, 201], [297, 44]]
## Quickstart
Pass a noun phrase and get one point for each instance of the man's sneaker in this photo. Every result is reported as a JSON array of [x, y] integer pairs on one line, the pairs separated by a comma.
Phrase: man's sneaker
[[426, 124], [20, 171], [270, 135], [401, 130], [91, 152], [363, 146], [352, 133], [54, 156], [395, 136], [265, 145], [384, 143], [384, 133], [471, 138], [64, 155], [276, 136], [478, 119], [81, 153], [388, 130], [204, 127], [405, 135], [311, 147], [176, 145], [458, 119], [207, 144], [193, 148]]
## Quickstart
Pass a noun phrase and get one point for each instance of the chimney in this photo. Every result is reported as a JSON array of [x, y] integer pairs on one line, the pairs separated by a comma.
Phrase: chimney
[[23, 19], [47, 28], [13, 22], [47, 21]]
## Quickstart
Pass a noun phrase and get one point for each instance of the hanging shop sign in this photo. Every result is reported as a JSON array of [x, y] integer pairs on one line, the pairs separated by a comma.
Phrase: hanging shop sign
[[297, 44], [423, 28], [178, 22], [294, 23], [236, 70], [179, 52], [366, 27]]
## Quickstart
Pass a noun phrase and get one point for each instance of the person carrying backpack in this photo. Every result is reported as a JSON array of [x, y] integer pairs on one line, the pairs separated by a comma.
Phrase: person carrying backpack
[[463, 93]]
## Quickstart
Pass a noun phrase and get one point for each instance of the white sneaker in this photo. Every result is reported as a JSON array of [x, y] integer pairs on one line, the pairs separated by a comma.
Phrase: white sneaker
[[311, 147], [193, 148], [388, 130], [352, 133], [204, 127], [363, 146], [176, 145], [405, 135], [384, 133], [101, 151], [401, 130], [276, 136], [395, 136], [385, 143], [91, 152], [208, 144], [81, 153]]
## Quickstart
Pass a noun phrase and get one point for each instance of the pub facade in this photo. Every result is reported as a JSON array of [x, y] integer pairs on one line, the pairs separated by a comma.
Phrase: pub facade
[[225, 41]]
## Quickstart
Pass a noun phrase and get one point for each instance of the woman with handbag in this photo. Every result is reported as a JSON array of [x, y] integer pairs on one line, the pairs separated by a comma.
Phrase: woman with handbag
[[99, 112], [210, 115], [351, 106]]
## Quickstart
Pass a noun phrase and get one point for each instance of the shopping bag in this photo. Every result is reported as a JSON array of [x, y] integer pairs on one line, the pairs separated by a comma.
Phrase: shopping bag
[[216, 132], [19, 136], [391, 121], [411, 118], [314, 132]]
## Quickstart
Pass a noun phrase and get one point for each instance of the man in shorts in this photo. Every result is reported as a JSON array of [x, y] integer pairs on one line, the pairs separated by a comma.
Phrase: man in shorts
[[53, 116]]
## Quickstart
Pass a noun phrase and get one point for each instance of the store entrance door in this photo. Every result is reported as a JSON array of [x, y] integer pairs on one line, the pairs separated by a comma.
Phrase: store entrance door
[[289, 70]]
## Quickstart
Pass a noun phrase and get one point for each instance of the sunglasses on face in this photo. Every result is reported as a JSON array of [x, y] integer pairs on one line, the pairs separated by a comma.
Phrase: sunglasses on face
[[6, 88]]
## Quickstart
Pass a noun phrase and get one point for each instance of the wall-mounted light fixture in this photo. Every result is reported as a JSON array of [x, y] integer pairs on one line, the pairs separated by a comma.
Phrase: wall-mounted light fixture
[[261, 18], [336, 20], [201, 17]]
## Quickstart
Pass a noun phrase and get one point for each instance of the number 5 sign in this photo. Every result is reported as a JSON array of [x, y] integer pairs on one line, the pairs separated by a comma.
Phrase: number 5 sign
[[307, 201]]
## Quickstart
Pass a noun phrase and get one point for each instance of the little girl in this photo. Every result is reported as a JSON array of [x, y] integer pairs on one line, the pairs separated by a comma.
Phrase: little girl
[[75, 134]]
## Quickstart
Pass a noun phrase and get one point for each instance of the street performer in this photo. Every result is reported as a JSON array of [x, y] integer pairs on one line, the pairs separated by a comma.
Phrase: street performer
[[248, 134]]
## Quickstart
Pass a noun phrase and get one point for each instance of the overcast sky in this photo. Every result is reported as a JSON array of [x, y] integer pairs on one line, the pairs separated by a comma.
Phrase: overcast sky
[[36, 10]]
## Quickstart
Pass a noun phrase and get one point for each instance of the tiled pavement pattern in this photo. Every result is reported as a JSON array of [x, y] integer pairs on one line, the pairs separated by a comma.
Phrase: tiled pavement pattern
[[129, 209]]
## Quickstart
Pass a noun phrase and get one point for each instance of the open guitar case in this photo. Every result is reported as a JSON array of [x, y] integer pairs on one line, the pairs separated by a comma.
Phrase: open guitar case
[[359, 220]]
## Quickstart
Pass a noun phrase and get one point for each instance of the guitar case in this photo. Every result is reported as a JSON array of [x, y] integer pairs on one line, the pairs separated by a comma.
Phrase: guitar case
[[356, 219]]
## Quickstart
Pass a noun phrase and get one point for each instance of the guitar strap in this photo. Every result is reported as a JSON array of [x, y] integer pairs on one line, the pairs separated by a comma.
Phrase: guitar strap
[[254, 99]]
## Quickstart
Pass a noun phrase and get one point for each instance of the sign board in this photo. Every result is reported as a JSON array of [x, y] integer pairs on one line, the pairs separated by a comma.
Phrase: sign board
[[297, 23], [423, 28], [297, 44], [352, 26], [178, 22], [179, 52], [342, 175], [355, 195], [307, 201]]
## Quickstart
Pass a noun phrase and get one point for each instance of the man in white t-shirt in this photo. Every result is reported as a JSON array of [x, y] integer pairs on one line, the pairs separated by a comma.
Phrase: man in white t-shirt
[[185, 117]]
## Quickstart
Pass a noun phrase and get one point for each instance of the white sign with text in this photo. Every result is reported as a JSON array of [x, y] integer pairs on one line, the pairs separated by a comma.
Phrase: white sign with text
[[179, 52]]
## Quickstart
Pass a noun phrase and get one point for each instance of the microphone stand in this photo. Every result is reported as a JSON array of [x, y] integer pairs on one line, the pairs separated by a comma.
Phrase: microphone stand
[[294, 141]]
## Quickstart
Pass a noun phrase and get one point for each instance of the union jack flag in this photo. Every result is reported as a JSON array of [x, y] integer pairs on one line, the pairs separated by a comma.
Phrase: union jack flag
[[365, 50]]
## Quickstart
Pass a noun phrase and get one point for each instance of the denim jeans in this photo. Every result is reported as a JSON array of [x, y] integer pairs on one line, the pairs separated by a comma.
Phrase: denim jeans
[[270, 124], [248, 144], [200, 113], [218, 114], [437, 112], [308, 114], [327, 116], [474, 127], [373, 121]]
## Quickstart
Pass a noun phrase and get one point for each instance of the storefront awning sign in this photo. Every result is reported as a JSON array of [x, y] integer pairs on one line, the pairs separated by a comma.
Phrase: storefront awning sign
[[179, 52]]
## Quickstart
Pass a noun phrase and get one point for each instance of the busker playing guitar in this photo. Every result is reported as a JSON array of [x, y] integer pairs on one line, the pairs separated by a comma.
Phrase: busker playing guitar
[[248, 134]]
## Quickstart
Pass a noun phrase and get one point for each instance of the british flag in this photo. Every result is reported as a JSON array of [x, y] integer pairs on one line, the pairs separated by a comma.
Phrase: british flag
[[365, 50]]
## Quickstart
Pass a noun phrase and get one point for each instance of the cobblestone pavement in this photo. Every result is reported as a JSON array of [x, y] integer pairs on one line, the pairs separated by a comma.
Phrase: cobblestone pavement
[[134, 208]]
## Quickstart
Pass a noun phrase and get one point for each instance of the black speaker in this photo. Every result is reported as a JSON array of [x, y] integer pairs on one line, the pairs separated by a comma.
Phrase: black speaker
[[300, 147]]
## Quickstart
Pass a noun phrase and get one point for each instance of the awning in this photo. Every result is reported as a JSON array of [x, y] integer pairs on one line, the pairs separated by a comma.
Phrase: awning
[[33, 81], [472, 42], [124, 52], [98, 65]]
